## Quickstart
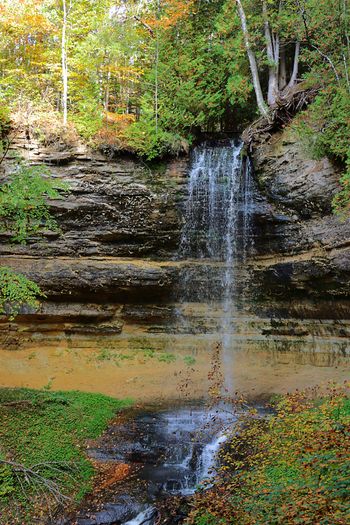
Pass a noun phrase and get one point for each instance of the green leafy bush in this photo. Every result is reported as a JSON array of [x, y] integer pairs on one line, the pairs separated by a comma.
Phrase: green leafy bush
[[147, 141], [88, 118], [16, 290], [23, 201]]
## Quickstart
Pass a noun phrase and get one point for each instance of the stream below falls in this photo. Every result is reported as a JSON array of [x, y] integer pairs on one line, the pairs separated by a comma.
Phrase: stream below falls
[[172, 450]]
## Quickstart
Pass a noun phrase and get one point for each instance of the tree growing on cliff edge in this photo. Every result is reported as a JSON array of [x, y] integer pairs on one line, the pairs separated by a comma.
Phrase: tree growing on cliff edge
[[280, 35], [273, 27]]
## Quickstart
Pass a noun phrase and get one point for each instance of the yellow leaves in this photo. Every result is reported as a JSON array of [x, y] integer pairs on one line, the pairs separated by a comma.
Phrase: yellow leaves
[[25, 19], [123, 72], [120, 118], [173, 12]]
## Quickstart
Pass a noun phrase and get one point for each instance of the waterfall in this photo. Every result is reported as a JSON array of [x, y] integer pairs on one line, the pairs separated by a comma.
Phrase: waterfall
[[216, 235], [216, 239], [217, 209]]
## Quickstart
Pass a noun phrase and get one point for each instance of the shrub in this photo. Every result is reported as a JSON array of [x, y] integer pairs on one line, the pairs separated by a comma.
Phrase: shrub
[[16, 290], [23, 200], [88, 118], [144, 139], [42, 122]]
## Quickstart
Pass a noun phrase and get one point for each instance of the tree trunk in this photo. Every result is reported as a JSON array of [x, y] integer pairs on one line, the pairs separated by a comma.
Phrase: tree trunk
[[272, 49], [282, 73], [64, 64], [294, 76], [107, 95], [252, 61]]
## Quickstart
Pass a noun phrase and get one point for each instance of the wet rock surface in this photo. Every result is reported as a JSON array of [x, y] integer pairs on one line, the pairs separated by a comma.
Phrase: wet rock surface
[[113, 262], [170, 451], [303, 249], [124, 509]]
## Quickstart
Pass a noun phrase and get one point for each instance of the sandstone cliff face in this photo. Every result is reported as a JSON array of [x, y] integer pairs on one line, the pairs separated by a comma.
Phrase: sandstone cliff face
[[116, 211], [303, 249], [112, 270], [114, 207]]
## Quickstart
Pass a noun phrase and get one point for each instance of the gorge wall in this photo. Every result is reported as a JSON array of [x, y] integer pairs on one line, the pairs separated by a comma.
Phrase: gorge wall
[[112, 273], [303, 248]]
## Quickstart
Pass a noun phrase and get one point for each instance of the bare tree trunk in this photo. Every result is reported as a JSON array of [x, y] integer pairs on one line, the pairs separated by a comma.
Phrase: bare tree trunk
[[294, 76], [272, 48], [64, 63], [252, 61], [156, 85], [282, 72]]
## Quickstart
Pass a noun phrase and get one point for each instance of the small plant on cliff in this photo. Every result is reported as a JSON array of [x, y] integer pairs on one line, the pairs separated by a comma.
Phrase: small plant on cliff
[[16, 290], [23, 201], [24, 210]]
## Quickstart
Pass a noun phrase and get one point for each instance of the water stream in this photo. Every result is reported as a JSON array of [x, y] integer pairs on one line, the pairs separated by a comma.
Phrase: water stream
[[217, 233], [177, 450], [216, 230]]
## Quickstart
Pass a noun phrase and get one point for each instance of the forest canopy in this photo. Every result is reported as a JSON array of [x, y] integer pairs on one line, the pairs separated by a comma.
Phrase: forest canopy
[[148, 75]]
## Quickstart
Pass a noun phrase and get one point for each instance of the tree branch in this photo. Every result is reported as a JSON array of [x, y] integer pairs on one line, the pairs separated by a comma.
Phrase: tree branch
[[32, 476], [144, 24], [326, 57]]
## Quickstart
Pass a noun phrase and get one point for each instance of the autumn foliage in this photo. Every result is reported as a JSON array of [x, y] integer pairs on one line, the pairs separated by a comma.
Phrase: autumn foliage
[[293, 468]]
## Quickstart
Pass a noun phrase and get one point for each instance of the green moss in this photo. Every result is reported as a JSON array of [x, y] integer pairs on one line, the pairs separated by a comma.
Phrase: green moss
[[50, 428]]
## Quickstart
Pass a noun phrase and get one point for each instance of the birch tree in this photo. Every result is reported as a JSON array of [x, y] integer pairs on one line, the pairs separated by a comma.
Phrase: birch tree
[[252, 61], [278, 87]]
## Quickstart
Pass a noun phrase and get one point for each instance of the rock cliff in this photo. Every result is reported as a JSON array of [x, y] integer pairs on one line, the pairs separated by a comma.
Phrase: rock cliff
[[303, 249], [112, 268]]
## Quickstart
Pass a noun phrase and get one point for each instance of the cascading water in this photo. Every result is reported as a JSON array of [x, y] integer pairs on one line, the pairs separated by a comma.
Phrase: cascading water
[[217, 235], [185, 443], [216, 238], [216, 216]]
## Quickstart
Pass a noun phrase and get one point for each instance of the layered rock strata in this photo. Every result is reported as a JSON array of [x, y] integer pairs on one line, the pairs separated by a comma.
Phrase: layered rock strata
[[111, 270]]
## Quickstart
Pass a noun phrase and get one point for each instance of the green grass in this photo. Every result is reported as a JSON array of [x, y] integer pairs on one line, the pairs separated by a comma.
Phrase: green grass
[[50, 428]]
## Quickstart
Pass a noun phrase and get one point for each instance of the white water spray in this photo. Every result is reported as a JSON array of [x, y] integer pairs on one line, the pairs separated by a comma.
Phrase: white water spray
[[217, 232]]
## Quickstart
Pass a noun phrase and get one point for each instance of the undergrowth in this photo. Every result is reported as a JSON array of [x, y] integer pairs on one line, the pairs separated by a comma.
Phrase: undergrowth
[[291, 469], [47, 431]]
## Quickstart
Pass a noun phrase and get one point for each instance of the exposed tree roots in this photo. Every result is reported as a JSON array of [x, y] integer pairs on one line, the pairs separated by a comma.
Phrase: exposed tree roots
[[288, 105]]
